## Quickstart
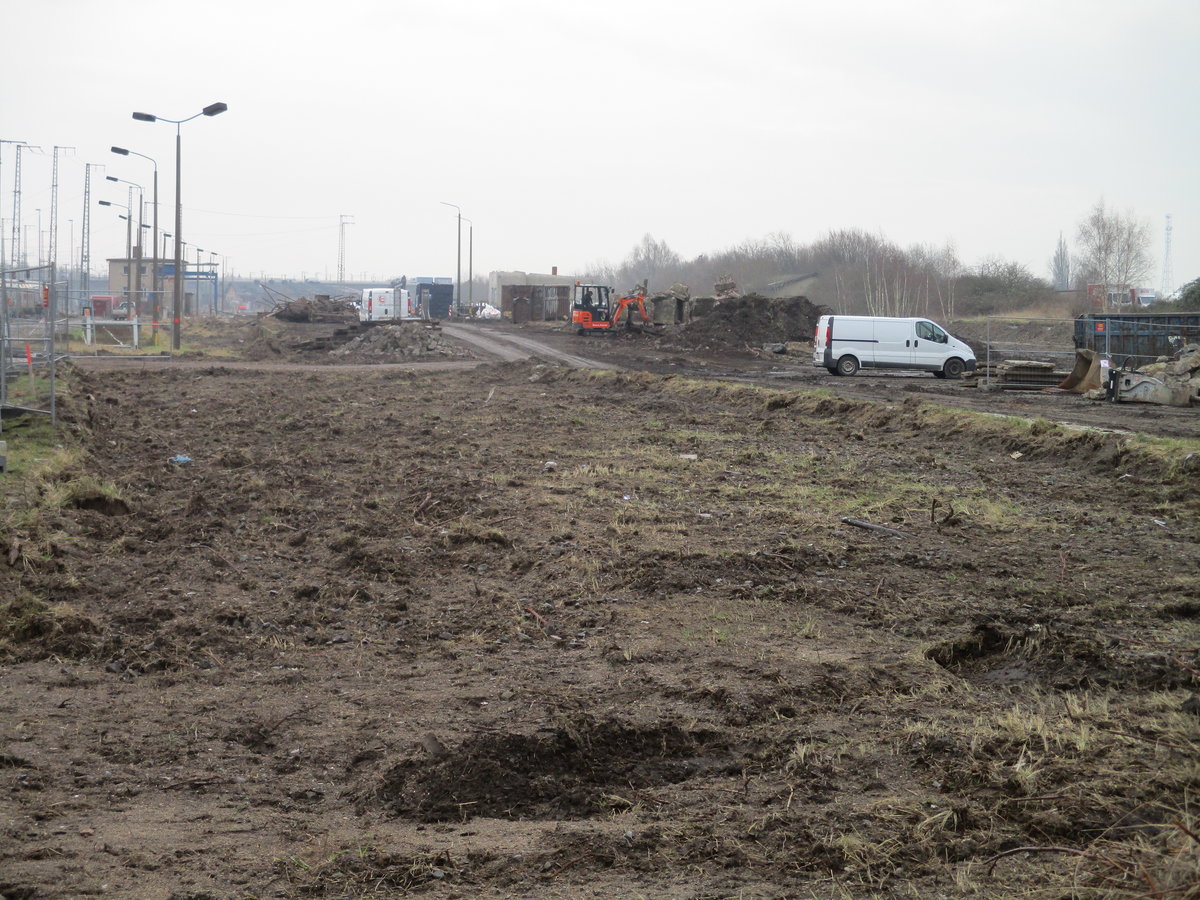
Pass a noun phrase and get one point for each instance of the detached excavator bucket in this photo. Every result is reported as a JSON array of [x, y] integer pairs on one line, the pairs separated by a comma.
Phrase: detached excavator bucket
[[1085, 376]]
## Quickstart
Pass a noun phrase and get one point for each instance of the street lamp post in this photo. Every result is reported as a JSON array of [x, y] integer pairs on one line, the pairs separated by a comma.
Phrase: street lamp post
[[199, 250], [177, 303], [213, 256], [154, 281], [128, 217], [458, 258], [470, 264], [137, 275]]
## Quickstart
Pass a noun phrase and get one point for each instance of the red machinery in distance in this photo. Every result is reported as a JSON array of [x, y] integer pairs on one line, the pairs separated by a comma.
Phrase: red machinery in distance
[[593, 308]]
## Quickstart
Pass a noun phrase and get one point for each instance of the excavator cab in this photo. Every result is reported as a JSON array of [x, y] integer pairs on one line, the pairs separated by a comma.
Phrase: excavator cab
[[591, 307]]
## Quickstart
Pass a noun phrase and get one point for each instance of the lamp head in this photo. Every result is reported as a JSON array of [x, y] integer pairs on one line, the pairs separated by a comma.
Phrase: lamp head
[[105, 203], [111, 178], [121, 150], [216, 109], [145, 117]]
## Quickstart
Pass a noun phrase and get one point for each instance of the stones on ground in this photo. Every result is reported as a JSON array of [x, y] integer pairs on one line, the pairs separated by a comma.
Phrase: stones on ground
[[398, 339]]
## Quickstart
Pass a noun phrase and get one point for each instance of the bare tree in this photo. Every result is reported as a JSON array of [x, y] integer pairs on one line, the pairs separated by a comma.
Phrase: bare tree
[[1060, 266], [1113, 248]]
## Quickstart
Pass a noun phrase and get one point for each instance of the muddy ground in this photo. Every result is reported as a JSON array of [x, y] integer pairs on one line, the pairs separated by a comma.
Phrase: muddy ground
[[523, 630]]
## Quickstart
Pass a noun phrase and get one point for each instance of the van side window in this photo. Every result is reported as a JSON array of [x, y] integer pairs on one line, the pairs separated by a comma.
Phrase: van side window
[[927, 331]]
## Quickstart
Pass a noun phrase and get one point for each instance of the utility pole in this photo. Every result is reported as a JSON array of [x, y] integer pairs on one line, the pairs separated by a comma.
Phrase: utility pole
[[85, 240], [1168, 277], [51, 298], [343, 221], [19, 253], [3, 277]]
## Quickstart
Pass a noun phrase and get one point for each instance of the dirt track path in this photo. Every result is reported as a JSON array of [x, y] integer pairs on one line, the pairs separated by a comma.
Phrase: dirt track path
[[511, 347]]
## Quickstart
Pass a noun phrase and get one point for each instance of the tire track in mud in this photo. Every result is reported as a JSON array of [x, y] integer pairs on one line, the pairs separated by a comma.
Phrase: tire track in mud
[[513, 347]]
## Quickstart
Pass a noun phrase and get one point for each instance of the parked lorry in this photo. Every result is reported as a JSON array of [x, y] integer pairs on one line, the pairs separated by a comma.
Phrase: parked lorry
[[845, 344]]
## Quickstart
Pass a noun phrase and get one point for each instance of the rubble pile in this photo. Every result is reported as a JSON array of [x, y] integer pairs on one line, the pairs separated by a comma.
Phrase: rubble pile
[[725, 288], [399, 339], [321, 309], [677, 291]]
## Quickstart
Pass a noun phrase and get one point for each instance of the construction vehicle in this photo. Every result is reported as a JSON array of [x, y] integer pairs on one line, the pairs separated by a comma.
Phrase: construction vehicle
[[594, 308]]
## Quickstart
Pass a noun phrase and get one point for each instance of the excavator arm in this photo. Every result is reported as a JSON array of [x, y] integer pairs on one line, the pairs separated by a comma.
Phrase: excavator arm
[[638, 302]]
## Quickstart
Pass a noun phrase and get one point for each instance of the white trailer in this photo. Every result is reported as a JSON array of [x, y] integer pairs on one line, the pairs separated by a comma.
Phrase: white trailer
[[387, 303]]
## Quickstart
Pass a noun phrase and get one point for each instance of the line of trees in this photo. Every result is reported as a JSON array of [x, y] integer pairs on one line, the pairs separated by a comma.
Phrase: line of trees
[[857, 273], [864, 273]]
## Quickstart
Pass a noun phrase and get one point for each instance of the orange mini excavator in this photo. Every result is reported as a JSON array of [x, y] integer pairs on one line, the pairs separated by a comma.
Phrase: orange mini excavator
[[593, 308]]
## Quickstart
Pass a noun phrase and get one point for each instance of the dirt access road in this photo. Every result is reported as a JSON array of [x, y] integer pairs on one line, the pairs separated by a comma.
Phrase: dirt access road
[[500, 340], [526, 630]]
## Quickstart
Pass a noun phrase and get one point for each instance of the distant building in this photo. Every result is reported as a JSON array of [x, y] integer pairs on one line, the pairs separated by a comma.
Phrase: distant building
[[130, 279], [549, 296]]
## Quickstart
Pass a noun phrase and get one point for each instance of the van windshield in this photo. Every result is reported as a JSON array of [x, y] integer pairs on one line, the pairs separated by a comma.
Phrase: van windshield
[[929, 332]]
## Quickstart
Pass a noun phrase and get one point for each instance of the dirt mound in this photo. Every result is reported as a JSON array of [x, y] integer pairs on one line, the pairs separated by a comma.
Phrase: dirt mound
[[571, 772], [321, 309], [754, 320], [400, 339]]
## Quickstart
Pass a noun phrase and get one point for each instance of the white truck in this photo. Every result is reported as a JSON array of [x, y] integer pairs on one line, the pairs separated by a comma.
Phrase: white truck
[[845, 344], [387, 303]]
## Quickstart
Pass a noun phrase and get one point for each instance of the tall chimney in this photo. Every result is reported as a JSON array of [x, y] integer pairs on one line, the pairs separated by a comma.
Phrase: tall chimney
[[554, 270]]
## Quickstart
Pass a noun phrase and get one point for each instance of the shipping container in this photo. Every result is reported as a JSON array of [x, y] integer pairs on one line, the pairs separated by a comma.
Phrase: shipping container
[[1139, 337]]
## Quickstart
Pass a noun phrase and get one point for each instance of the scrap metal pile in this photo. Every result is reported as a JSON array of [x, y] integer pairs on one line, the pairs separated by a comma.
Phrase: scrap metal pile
[[1168, 382], [321, 309]]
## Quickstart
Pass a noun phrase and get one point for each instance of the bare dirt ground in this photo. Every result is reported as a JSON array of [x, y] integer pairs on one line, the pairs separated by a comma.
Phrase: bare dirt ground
[[521, 629]]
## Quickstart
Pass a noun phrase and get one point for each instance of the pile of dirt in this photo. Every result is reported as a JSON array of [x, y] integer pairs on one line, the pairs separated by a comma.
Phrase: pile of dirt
[[399, 339], [321, 309], [754, 320]]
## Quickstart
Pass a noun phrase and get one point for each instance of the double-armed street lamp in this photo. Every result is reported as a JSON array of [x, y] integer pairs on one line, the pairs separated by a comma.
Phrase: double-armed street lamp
[[137, 273], [154, 285], [177, 302], [128, 217]]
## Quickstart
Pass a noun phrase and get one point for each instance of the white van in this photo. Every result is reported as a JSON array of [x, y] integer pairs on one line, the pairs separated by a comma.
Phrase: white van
[[387, 303], [845, 344]]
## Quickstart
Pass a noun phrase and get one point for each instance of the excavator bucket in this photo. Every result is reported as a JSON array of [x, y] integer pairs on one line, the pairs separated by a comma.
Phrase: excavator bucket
[[1086, 376]]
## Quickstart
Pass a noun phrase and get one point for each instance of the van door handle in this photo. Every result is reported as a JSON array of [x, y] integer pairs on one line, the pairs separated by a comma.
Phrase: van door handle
[[916, 343]]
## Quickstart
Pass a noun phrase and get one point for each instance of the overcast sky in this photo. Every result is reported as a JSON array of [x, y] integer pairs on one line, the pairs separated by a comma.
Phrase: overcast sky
[[567, 130]]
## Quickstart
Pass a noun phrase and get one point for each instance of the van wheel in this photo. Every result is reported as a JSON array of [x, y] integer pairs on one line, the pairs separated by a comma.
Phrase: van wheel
[[847, 365], [953, 368]]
